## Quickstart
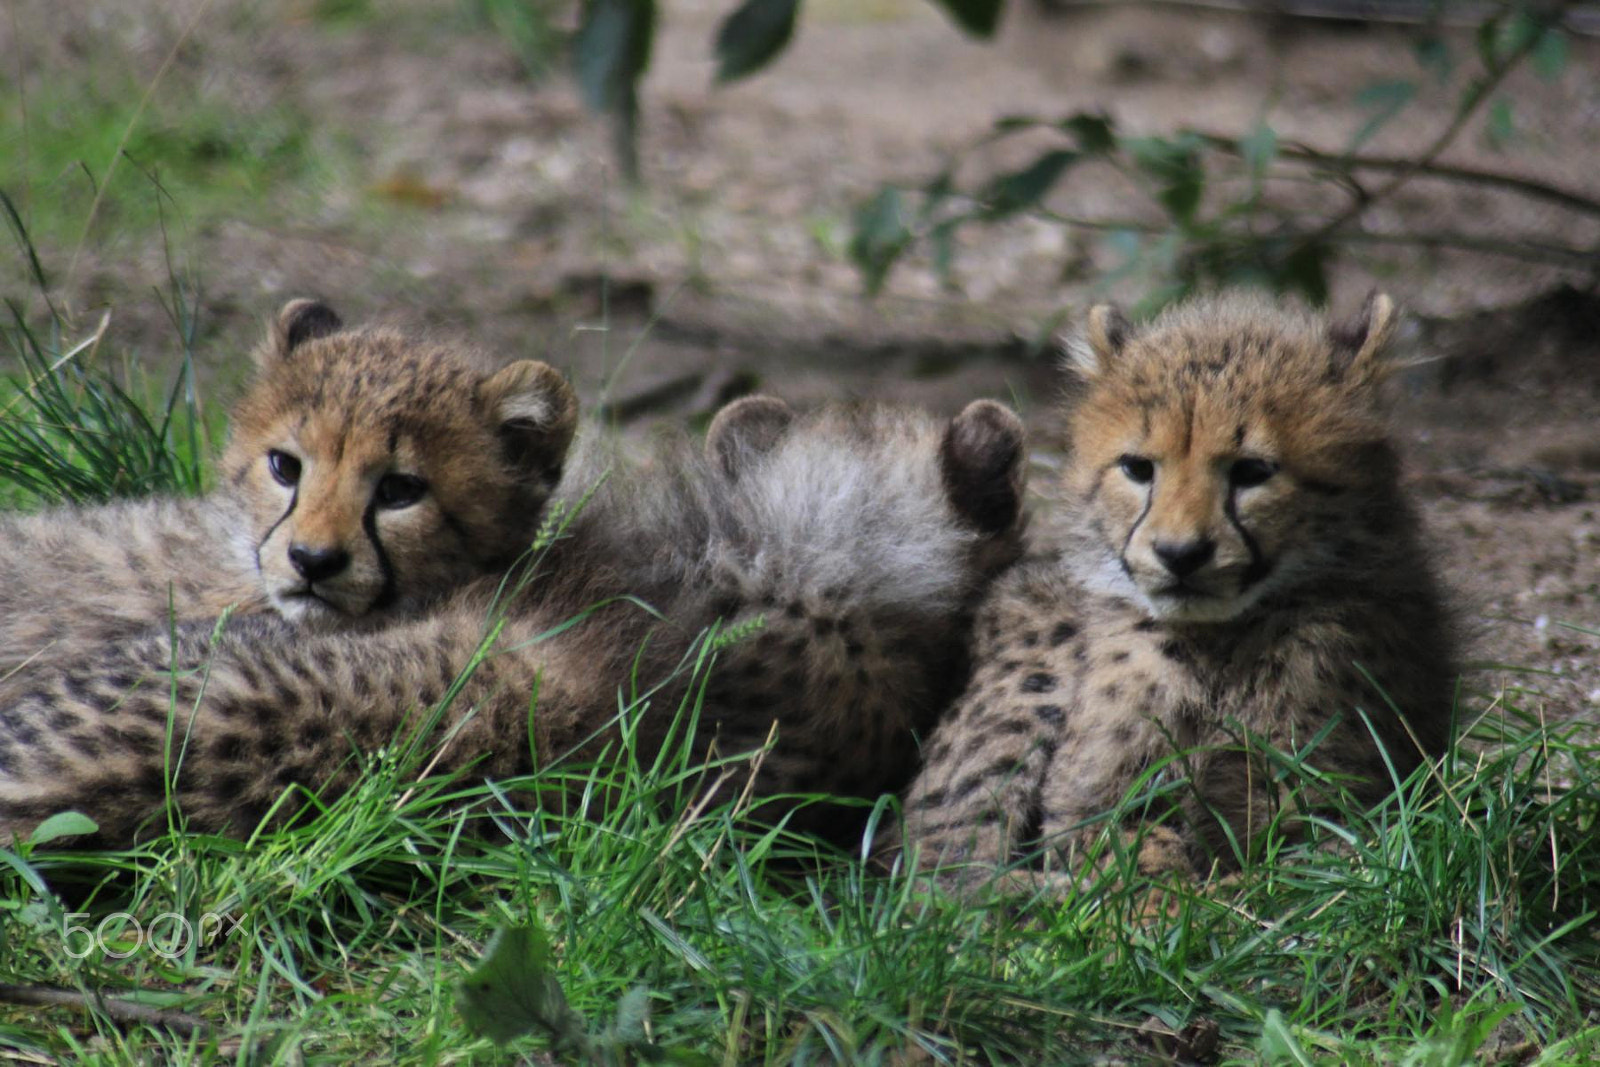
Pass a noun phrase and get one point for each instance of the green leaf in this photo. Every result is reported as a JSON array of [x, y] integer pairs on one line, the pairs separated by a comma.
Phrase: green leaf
[[881, 235], [1014, 192], [612, 50], [1550, 54], [749, 38], [63, 824], [513, 990], [1014, 123], [1093, 133], [1175, 165], [633, 1011], [1384, 101], [1278, 1044], [1500, 36], [1500, 128], [1488, 31], [1259, 148], [978, 17], [1305, 270], [942, 242], [1434, 55]]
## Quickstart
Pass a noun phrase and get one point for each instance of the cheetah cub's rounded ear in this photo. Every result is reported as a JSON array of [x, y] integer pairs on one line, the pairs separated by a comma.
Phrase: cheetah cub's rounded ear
[[745, 428], [300, 321], [981, 461], [1363, 338], [1095, 348], [537, 414]]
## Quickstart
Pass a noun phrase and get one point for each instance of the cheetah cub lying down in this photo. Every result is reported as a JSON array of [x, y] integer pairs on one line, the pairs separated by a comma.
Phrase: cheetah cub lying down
[[863, 536], [366, 474], [1241, 561]]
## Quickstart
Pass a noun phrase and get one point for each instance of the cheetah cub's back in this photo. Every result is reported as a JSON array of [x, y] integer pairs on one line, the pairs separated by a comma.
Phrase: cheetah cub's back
[[367, 473], [1241, 561]]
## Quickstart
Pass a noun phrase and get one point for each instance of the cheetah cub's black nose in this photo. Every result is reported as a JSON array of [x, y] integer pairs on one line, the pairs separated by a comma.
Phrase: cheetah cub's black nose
[[318, 564], [1185, 557]]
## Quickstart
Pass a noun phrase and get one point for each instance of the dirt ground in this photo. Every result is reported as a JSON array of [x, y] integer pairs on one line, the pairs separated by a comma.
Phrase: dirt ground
[[505, 222]]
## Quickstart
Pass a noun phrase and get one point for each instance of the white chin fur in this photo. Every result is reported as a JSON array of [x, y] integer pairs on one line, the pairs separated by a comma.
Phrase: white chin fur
[[1106, 575], [305, 610], [1195, 609]]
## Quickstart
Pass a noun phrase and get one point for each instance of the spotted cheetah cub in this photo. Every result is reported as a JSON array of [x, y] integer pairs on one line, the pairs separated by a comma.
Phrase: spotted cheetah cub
[[863, 536], [366, 474], [1241, 563]]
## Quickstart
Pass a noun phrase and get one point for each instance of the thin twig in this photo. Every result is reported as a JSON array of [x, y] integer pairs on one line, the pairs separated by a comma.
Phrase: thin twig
[[114, 1008], [1527, 250], [1585, 20], [1474, 98], [1343, 164]]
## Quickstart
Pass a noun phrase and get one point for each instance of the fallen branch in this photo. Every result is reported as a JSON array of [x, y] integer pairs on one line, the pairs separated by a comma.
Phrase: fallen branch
[[114, 1008]]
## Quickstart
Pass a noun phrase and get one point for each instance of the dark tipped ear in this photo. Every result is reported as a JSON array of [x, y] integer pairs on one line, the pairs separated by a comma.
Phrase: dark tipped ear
[[1362, 339], [300, 321], [748, 427], [535, 413], [1096, 346], [981, 459]]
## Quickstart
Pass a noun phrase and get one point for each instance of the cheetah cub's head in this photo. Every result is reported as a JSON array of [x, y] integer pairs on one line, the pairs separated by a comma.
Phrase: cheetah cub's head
[[379, 471], [1231, 449]]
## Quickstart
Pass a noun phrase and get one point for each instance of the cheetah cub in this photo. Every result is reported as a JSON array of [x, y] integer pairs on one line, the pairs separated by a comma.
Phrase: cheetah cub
[[1241, 562], [864, 537], [366, 474]]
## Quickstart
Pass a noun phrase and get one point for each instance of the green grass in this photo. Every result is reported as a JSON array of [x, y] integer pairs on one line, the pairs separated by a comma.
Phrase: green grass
[[58, 146], [1443, 913], [73, 431]]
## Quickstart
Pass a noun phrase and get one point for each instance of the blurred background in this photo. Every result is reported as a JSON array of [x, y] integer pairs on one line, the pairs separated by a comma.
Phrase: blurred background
[[903, 199]]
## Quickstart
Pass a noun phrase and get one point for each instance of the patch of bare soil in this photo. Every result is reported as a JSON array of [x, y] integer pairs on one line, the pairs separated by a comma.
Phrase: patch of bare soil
[[502, 220]]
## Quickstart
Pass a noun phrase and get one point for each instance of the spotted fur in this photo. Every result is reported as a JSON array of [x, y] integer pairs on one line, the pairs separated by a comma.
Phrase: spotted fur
[[1241, 564], [863, 536], [306, 520]]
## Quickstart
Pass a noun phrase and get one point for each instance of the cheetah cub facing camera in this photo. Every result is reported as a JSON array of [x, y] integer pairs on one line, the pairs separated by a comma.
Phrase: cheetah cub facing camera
[[863, 536], [366, 474], [1241, 562]]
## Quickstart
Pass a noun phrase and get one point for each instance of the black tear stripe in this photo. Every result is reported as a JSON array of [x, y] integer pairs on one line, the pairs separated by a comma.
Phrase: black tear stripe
[[294, 498], [1122, 556], [390, 592], [1258, 565]]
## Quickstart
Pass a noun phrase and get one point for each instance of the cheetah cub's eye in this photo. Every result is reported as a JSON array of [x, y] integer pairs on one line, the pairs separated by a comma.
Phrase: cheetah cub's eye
[[399, 490], [1138, 469], [1247, 473], [284, 467]]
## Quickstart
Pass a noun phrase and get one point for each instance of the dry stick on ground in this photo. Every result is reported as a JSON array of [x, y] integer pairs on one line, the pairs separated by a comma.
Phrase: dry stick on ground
[[118, 1010]]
